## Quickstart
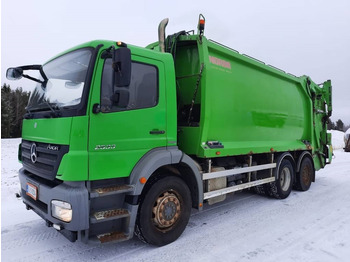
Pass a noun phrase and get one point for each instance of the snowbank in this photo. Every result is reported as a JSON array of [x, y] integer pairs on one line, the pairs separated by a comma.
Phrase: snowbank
[[337, 139]]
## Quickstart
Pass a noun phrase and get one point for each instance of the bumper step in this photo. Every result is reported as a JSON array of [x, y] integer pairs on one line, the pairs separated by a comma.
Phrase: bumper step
[[111, 190], [106, 215], [112, 237]]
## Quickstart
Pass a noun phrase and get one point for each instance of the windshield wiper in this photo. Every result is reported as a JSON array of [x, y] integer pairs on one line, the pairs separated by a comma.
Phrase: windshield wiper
[[29, 114], [56, 110]]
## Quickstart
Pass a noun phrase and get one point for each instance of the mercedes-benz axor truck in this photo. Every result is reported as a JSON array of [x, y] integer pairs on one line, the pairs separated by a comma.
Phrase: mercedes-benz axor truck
[[120, 140]]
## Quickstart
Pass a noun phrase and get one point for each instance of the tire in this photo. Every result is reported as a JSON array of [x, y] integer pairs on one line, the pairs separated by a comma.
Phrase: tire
[[305, 176], [260, 190], [164, 211], [282, 187]]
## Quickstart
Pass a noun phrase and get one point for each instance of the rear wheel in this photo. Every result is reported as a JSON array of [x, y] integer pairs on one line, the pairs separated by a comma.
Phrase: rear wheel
[[305, 175], [164, 211], [282, 187]]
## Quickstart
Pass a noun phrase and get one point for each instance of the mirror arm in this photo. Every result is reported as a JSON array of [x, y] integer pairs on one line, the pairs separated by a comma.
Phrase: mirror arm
[[35, 67], [41, 70], [34, 79]]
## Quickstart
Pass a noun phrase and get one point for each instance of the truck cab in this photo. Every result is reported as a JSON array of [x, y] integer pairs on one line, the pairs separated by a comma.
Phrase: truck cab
[[83, 132]]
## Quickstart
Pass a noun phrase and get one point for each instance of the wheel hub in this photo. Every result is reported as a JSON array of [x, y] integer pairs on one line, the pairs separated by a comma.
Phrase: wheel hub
[[166, 210], [285, 178]]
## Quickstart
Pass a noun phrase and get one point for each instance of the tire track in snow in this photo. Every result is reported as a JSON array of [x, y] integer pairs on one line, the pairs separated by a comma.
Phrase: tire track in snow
[[26, 238], [21, 235]]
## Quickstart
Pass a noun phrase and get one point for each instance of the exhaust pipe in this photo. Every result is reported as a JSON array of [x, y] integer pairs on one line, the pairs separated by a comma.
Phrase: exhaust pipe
[[161, 34]]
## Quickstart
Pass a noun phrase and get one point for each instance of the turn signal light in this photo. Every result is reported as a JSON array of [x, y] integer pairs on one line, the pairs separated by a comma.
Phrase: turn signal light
[[143, 180]]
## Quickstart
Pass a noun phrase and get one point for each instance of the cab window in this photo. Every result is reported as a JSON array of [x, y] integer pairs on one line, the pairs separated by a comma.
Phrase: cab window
[[141, 93]]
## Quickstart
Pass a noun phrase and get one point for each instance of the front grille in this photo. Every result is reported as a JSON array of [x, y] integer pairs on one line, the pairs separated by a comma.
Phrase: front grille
[[46, 160]]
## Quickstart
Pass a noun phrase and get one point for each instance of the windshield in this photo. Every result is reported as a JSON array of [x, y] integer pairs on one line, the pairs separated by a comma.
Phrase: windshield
[[66, 77]]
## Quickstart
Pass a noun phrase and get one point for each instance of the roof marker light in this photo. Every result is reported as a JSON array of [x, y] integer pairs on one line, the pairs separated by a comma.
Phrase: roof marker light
[[121, 44]]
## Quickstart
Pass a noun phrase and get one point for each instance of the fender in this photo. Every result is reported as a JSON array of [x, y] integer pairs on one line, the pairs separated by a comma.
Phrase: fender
[[280, 159], [159, 157], [301, 157], [199, 181]]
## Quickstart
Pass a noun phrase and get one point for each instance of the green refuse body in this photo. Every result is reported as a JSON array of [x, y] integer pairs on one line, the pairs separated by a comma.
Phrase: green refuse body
[[119, 139], [246, 105]]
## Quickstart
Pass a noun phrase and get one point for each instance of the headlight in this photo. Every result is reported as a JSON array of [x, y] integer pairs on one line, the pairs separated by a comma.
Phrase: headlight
[[61, 210]]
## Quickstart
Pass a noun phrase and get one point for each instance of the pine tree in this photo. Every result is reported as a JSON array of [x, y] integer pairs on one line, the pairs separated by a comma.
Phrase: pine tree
[[13, 103], [340, 125], [6, 112]]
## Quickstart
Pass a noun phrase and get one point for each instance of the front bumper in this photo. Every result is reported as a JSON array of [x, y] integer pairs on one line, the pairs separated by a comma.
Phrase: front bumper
[[74, 193]]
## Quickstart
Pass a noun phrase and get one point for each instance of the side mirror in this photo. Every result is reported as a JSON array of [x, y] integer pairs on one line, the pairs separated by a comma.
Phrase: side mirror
[[14, 73], [121, 98], [122, 66]]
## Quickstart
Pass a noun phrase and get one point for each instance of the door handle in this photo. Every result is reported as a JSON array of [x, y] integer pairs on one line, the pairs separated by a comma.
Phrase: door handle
[[157, 132]]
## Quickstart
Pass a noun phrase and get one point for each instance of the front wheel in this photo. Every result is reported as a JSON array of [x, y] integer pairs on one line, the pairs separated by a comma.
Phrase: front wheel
[[164, 211]]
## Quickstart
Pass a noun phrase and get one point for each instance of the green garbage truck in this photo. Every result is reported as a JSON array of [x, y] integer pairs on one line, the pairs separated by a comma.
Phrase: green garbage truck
[[120, 140]]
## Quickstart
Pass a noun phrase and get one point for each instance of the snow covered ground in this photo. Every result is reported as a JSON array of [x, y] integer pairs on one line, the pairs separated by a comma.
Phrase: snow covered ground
[[338, 139], [307, 226]]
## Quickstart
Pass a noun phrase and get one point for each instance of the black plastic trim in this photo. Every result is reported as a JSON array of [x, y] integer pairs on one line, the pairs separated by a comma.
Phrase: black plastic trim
[[132, 200], [37, 203], [72, 236], [85, 97]]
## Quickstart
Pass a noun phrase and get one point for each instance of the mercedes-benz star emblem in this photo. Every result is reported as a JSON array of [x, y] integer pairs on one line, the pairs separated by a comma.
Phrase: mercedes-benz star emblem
[[33, 155]]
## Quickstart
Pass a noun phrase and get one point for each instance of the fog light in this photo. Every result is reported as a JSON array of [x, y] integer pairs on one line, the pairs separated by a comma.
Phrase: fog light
[[61, 210], [57, 227]]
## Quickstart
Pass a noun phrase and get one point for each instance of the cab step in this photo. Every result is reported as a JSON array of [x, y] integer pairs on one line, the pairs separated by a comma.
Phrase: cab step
[[111, 190], [113, 237], [106, 215]]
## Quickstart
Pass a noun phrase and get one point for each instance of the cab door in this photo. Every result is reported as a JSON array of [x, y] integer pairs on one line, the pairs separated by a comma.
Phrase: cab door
[[120, 134]]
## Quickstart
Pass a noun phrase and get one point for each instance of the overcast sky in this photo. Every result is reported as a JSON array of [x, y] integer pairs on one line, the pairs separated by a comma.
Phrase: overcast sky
[[301, 37]]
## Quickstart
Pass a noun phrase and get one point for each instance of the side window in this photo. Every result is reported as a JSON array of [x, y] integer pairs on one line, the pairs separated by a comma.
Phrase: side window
[[141, 93]]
